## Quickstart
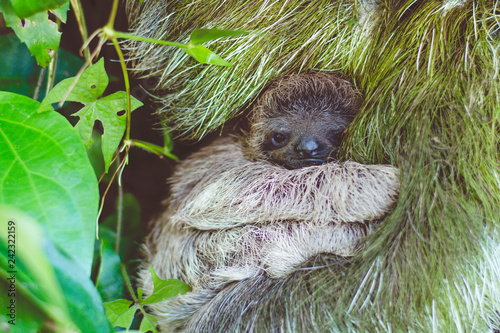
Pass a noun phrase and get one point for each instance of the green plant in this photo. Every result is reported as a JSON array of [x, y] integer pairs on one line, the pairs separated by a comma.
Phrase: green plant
[[49, 197]]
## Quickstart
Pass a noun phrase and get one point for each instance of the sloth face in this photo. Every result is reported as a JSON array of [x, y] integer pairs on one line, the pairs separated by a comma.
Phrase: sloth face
[[299, 120], [297, 142]]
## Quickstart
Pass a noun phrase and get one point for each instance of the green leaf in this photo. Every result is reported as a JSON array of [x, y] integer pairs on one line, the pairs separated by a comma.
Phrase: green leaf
[[109, 280], [27, 267], [204, 35], [25, 8], [204, 55], [168, 142], [155, 149], [32, 318], [148, 323], [120, 313], [45, 172], [165, 289], [19, 71], [105, 110], [87, 90], [62, 12], [40, 34], [83, 300], [96, 159], [139, 293]]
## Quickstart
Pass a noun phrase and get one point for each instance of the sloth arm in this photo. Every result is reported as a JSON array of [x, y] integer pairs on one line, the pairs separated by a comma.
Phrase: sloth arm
[[218, 188]]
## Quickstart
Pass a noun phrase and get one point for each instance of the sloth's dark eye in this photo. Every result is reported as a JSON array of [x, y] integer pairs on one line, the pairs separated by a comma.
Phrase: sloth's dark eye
[[335, 136], [279, 139]]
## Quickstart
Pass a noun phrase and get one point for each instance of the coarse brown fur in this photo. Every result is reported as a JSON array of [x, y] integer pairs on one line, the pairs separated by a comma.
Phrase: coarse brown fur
[[233, 217]]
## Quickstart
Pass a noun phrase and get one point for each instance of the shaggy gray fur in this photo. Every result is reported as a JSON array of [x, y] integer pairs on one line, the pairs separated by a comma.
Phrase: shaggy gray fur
[[231, 219]]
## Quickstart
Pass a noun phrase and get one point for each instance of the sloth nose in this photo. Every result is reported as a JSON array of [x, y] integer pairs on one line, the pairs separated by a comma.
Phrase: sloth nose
[[309, 147]]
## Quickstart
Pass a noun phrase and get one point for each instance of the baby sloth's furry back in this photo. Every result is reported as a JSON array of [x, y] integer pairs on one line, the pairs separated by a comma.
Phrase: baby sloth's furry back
[[231, 220]]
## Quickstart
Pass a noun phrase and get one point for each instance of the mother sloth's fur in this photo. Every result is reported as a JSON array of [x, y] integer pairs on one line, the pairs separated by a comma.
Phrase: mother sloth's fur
[[430, 72]]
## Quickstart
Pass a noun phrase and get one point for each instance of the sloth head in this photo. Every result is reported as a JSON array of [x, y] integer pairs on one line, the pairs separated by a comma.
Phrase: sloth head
[[299, 120]]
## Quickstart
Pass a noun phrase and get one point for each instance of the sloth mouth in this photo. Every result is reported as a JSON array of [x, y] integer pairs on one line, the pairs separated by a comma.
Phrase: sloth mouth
[[313, 161], [302, 163]]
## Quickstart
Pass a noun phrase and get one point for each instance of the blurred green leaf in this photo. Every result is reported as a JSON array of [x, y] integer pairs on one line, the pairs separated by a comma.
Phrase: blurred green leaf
[[46, 173], [96, 159], [25, 8], [84, 302], [19, 72], [32, 316], [29, 274], [109, 280], [204, 35], [168, 142], [40, 34]]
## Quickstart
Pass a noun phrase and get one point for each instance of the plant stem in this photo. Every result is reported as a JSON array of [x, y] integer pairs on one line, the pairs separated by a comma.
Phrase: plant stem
[[112, 15], [119, 218], [160, 151], [148, 40], [127, 85], [39, 83], [128, 283], [51, 77], [77, 8]]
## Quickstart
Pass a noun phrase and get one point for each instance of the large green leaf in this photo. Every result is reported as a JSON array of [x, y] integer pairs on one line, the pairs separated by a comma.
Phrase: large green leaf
[[44, 171], [83, 300], [47, 285], [31, 281]]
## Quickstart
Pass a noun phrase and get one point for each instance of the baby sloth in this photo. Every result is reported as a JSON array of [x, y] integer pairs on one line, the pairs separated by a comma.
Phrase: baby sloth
[[259, 207], [299, 120]]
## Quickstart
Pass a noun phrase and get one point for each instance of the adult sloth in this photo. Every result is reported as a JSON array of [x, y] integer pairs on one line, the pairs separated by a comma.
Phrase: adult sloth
[[429, 74]]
